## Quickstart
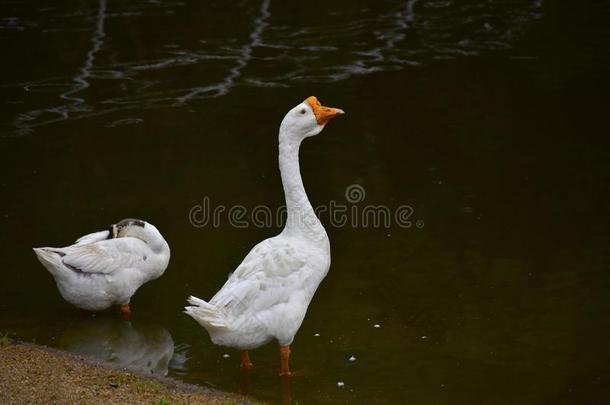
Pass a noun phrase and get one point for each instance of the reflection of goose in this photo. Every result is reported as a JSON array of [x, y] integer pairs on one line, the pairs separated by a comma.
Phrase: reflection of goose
[[141, 348], [267, 296], [106, 268]]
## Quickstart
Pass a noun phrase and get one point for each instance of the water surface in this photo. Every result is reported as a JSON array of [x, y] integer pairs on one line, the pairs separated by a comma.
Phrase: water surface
[[486, 118]]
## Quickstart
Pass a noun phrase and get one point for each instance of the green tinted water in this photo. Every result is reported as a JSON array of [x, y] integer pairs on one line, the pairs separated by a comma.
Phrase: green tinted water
[[486, 119]]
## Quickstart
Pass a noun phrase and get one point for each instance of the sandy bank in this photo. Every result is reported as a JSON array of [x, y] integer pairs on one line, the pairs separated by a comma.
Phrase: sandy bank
[[37, 374]]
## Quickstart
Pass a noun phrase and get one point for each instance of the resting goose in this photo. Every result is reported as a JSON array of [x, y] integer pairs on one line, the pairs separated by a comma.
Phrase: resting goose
[[267, 296], [106, 268]]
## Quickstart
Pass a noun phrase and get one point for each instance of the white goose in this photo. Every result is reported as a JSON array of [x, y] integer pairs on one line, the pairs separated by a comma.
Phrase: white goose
[[106, 268], [267, 296]]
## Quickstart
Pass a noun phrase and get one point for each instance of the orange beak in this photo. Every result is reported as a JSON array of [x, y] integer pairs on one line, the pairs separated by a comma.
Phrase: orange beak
[[323, 114]]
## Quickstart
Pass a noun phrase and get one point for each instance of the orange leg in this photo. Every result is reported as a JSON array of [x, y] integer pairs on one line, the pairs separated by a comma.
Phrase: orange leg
[[246, 364], [125, 312], [284, 357]]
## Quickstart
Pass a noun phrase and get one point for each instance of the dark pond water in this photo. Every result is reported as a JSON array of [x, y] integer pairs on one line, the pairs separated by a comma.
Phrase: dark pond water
[[487, 118]]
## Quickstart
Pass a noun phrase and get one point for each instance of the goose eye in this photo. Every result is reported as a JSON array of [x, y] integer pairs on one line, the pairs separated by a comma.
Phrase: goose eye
[[303, 111]]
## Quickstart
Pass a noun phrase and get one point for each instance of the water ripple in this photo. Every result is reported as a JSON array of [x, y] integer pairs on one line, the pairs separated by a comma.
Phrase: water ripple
[[245, 54], [279, 50]]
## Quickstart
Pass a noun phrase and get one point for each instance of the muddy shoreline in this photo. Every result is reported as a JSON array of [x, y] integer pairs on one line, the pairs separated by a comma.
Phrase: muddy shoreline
[[32, 373]]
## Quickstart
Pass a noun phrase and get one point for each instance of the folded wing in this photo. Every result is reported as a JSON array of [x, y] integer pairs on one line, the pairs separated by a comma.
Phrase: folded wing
[[93, 237], [266, 277], [106, 256]]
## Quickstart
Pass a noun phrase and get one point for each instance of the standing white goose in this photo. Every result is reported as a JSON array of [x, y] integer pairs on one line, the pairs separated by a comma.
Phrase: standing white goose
[[267, 296], [106, 268]]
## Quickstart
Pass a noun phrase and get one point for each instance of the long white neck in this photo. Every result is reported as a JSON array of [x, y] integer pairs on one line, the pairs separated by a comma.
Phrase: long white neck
[[302, 220]]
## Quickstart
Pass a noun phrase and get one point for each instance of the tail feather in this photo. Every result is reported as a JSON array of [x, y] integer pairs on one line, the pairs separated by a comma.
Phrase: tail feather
[[208, 315], [50, 259]]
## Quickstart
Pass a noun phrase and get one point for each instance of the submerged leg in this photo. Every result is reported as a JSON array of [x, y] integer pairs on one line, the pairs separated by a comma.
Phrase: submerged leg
[[246, 364], [125, 312], [286, 391], [244, 383], [284, 358]]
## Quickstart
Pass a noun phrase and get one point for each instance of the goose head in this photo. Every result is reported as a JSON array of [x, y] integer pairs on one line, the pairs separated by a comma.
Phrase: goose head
[[136, 228], [307, 119]]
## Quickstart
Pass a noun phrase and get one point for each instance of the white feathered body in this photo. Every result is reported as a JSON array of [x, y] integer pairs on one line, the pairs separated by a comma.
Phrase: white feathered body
[[96, 273], [267, 296]]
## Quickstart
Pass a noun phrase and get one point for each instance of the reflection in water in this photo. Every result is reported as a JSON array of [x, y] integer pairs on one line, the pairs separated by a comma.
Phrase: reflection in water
[[245, 54], [142, 348], [277, 51], [246, 388], [97, 41], [178, 362], [395, 32], [501, 297], [80, 80]]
